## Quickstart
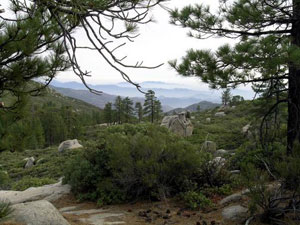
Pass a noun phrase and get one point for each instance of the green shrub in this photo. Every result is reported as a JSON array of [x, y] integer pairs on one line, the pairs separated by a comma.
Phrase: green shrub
[[28, 182], [5, 210], [4, 179], [130, 162], [224, 190], [196, 200]]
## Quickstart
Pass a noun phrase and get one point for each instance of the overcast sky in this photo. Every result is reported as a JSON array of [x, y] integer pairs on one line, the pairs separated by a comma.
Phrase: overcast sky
[[158, 43]]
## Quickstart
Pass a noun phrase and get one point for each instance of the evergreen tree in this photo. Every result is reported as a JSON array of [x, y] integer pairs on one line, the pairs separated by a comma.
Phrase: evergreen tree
[[267, 49], [149, 105], [226, 97], [108, 113], [119, 109], [139, 111], [128, 109], [157, 110], [236, 99]]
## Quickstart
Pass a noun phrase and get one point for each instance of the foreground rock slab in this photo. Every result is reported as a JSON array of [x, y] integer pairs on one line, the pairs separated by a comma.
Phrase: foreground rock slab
[[96, 216], [37, 213], [50, 192]]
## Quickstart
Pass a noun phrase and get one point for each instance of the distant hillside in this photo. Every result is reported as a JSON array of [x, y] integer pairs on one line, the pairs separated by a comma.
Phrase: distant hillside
[[51, 95], [97, 100], [204, 105]]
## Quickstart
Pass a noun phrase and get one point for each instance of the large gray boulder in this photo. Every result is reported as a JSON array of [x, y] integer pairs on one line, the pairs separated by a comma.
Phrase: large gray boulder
[[235, 214], [37, 213], [69, 144], [179, 124], [50, 192]]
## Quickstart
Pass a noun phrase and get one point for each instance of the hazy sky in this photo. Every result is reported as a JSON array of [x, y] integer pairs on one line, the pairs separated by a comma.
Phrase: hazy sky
[[158, 43]]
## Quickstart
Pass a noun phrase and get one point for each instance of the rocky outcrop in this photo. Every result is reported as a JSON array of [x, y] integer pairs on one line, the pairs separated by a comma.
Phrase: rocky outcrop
[[236, 213], [37, 213], [69, 144], [179, 124], [48, 192]]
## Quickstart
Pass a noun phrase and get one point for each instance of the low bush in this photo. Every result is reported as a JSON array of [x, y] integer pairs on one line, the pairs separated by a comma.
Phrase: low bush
[[27, 182], [131, 162], [196, 200], [4, 179]]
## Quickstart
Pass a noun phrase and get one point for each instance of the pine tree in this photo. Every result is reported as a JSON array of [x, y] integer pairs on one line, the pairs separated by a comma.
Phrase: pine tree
[[108, 113], [157, 110], [139, 111], [268, 49], [128, 109], [149, 105], [226, 97], [119, 108]]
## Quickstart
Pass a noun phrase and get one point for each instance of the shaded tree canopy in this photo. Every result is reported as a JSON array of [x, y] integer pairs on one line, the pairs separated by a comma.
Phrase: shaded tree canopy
[[37, 37], [267, 50]]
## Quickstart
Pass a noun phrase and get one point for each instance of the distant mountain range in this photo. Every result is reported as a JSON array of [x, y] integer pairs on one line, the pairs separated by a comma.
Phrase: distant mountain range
[[204, 105], [169, 94]]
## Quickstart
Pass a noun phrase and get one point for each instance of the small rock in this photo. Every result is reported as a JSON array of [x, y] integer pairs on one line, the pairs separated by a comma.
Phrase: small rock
[[29, 162], [168, 211], [231, 198], [142, 214], [235, 171], [220, 114], [209, 146], [235, 213], [221, 152]]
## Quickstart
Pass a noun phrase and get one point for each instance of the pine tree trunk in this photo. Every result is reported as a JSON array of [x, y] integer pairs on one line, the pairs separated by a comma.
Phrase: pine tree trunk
[[293, 134]]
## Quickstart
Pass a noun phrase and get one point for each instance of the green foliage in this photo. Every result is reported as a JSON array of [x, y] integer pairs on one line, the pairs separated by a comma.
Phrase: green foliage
[[5, 210], [223, 190], [28, 181], [46, 120], [135, 162], [196, 200], [4, 179], [152, 106], [49, 164], [226, 96]]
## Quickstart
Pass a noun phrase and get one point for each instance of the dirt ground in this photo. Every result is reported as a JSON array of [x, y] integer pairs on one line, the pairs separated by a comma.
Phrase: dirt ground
[[167, 212], [155, 213]]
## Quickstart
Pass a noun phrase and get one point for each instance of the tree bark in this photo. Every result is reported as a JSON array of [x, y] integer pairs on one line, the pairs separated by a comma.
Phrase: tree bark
[[293, 132]]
